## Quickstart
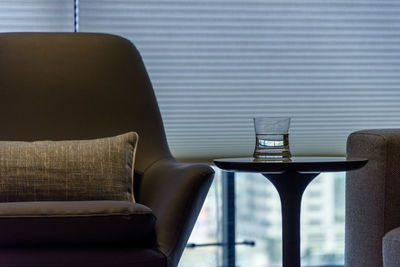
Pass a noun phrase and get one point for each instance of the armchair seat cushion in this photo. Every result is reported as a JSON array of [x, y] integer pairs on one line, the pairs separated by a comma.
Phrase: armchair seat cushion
[[76, 223]]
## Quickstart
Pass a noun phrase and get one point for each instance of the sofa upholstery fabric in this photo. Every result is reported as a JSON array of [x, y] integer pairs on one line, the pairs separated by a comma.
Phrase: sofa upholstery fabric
[[372, 195], [391, 248]]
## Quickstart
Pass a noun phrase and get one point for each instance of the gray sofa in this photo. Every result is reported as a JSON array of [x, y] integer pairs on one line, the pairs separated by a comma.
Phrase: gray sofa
[[373, 200]]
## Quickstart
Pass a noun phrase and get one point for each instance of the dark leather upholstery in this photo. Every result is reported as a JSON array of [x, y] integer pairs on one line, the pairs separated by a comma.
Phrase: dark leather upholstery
[[76, 223], [62, 86], [85, 257]]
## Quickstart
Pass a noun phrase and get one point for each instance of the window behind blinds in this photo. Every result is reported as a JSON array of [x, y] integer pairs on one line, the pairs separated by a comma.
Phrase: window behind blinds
[[36, 15], [333, 66]]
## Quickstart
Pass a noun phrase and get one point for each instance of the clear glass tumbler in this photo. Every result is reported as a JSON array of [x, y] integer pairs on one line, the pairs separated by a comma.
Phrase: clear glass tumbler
[[272, 138]]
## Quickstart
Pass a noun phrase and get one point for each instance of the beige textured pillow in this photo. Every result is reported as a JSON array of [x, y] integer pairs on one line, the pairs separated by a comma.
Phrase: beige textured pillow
[[97, 169]]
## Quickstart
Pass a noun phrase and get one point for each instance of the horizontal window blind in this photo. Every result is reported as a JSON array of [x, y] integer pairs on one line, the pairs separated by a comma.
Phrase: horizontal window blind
[[333, 66], [36, 15]]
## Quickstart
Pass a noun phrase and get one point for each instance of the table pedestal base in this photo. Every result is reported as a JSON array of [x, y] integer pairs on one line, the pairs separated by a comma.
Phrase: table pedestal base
[[290, 186]]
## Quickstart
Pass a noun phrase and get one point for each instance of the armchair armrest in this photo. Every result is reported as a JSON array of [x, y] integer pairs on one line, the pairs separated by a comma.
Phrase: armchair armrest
[[175, 192]]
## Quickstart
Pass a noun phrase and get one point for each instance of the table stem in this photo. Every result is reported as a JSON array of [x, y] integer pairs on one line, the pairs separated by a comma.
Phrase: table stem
[[290, 186]]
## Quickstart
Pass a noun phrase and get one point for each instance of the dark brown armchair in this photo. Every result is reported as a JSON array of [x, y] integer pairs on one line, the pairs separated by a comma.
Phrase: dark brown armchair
[[74, 86]]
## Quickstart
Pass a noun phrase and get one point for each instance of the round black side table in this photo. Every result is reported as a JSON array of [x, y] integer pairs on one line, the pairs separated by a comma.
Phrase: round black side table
[[290, 178]]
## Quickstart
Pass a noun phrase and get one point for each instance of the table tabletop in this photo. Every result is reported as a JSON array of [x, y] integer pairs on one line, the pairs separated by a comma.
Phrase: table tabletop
[[298, 164]]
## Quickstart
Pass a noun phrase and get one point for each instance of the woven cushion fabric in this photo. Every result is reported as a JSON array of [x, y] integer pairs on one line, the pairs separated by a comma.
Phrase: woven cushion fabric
[[97, 169], [77, 223]]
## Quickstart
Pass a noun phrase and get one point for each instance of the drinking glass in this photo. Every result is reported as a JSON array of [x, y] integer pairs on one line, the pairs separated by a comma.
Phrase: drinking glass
[[272, 138]]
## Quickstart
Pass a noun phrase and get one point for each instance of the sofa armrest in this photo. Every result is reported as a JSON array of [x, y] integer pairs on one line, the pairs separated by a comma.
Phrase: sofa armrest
[[175, 192], [372, 195], [391, 248]]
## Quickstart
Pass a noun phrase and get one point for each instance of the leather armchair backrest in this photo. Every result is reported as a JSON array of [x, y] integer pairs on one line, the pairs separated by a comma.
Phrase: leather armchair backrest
[[60, 86]]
